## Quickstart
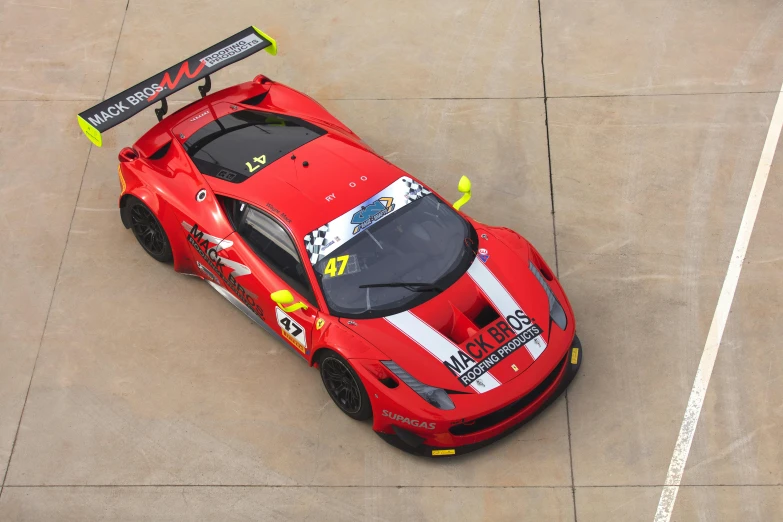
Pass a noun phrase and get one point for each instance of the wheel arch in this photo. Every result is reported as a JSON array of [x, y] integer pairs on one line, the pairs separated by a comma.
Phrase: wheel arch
[[319, 352], [167, 215], [143, 195]]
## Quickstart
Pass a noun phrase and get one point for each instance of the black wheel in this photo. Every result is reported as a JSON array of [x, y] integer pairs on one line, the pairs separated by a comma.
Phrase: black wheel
[[344, 386], [148, 231]]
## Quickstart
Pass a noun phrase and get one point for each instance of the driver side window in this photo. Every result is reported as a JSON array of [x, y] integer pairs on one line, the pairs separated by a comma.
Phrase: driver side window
[[273, 245]]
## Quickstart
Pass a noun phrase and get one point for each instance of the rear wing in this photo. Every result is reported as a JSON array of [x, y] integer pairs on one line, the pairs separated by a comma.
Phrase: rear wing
[[130, 102]]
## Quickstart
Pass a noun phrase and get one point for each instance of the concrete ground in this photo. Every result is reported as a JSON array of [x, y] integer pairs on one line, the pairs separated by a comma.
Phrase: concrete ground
[[129, 392]]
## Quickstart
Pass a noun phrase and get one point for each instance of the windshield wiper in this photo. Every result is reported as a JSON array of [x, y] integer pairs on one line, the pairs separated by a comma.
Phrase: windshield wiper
[[413, 287]]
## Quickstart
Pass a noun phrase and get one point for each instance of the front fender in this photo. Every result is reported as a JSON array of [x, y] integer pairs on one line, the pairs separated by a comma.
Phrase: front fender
[[339, 338]]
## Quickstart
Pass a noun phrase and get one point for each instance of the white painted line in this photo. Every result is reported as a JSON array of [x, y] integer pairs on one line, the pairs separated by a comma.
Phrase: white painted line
[[711, 346]]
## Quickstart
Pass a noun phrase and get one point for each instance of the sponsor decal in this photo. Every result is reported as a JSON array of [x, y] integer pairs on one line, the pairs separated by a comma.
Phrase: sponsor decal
[[319, 324], [194, 118], [131, 101], [226, 270], [291, 330], [323, 240], [410, 422], [483, 255], [167, 83], [231, 50], [488, 348], [440, 347], [375, 211], [503, 302], [278, 212], [149, 93], [99, 118], [441, 452]]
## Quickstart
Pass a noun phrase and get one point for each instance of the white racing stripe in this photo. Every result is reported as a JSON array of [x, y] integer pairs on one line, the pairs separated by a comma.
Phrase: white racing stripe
[[722, 309], [436, 344], [502, 300]]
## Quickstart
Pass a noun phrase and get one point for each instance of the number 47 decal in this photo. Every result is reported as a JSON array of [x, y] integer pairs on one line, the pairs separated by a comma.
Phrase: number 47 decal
[[290, 326], [260, 159], [291, 330], [331, 266]]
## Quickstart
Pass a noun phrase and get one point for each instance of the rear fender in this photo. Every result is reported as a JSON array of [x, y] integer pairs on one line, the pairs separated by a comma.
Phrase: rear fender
[[169, 217], [142, 193]]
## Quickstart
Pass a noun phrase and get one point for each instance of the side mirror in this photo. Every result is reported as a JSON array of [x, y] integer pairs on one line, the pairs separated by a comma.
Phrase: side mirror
[[464, 187], [281, 297]]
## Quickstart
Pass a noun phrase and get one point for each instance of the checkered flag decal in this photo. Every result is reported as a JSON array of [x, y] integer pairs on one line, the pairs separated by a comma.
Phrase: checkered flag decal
[[415, 190], [314, 241]]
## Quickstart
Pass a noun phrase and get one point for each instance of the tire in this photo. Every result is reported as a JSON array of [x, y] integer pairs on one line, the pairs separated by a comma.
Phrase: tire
[[148, 231], [337, 373]]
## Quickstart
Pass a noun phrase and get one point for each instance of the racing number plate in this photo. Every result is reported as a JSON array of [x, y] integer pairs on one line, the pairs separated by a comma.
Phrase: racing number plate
[[291, 330]]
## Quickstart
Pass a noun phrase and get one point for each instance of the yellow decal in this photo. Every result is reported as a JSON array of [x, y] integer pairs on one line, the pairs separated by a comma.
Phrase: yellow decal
[[331, 265], [574, 355], [437, 453], [122, 180], [93, 134], [293, 341], [259, 159], [319, 324], [514, 367]]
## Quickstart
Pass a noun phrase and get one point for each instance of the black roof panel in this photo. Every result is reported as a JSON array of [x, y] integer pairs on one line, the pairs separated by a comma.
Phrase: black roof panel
[[241, 144]]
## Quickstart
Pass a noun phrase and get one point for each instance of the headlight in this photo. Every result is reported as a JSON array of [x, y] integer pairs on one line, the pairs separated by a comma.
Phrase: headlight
[[556, 312], [435, 396]]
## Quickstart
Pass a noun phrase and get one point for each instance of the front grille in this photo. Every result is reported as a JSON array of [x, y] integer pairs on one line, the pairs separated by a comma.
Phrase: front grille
[[498, 416]]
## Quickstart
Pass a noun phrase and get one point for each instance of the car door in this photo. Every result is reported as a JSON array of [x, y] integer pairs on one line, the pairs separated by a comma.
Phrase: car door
[[264, 245]]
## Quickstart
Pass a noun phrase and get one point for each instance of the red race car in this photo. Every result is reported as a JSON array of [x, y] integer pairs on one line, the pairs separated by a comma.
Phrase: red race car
[[448, 333]]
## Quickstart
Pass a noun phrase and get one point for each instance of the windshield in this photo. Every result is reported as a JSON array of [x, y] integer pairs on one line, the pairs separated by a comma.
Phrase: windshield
[[424, 245]]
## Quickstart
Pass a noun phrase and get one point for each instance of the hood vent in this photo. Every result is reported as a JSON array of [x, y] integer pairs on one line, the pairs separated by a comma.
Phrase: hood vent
[[465, 324], [487, 315]]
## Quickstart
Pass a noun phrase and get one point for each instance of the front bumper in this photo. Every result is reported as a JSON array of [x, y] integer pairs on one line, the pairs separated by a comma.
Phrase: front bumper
[[512, 415]]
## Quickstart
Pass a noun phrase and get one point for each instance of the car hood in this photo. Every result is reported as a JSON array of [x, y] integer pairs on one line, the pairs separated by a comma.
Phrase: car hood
[[483, 331]]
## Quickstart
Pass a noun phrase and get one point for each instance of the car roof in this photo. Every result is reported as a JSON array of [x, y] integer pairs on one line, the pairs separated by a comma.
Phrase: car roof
[[339, 175], [341, 172]]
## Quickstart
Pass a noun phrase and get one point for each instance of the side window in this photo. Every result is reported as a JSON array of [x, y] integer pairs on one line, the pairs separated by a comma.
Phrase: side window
[[234, 209], [274, 246]]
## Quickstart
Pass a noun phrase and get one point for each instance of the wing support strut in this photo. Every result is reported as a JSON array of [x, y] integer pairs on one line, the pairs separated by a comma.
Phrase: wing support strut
[[164, 108], [204, 89]]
